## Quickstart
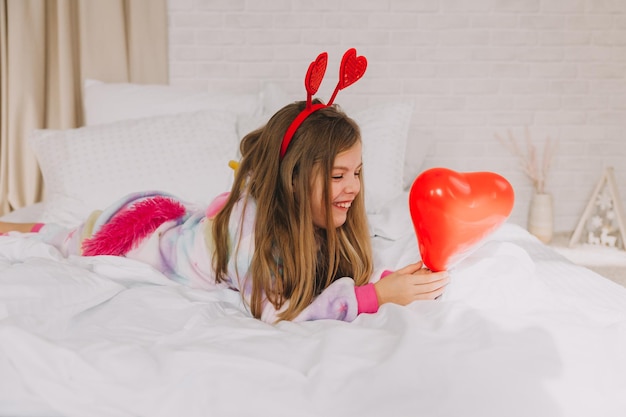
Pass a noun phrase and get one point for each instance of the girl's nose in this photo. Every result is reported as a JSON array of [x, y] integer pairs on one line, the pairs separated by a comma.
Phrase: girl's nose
[[353, 186]]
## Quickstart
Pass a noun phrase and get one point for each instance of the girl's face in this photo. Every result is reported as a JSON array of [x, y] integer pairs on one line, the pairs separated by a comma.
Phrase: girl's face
[[345, 185]]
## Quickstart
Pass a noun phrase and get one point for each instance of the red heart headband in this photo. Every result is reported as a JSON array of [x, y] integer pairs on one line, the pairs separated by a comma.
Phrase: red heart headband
[[351, 70]]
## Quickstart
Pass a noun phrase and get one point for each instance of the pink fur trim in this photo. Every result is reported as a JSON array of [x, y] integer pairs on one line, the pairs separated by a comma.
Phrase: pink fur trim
[[131, 225]]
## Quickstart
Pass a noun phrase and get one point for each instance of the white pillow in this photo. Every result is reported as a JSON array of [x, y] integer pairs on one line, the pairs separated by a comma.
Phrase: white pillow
[[91, 167], [246, 124], [111, 102], [273, 98], [384, 130], [418, 147]]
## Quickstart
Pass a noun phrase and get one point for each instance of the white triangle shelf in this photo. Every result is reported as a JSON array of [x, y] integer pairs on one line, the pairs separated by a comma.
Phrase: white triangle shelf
[[602, 222]]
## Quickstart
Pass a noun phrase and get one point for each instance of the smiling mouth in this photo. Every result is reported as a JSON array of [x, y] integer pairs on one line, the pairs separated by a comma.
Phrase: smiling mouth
[[344, 205]]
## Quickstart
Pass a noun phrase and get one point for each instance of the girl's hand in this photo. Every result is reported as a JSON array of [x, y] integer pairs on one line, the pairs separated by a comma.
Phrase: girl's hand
[[413, 282]]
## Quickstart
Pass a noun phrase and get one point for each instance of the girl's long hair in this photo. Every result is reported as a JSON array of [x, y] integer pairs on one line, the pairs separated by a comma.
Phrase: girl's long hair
[[293, 260]]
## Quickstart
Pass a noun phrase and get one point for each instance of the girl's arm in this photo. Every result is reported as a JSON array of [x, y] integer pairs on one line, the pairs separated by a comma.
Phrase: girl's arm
[[337, 302], [342, 300]]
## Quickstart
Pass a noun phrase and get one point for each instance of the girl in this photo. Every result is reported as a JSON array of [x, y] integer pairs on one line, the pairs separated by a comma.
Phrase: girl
[[292, 235]]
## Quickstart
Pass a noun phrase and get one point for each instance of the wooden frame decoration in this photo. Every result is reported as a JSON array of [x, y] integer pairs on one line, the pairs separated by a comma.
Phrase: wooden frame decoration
[[602, 222]]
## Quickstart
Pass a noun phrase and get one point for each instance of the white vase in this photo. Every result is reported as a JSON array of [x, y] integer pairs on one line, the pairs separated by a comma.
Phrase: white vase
[[540, 217]]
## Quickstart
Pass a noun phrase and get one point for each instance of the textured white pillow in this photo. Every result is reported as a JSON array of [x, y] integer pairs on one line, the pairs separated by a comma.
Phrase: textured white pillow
[[418, 146], [273, 98], [90, 167], [111, 102], [384, 130]]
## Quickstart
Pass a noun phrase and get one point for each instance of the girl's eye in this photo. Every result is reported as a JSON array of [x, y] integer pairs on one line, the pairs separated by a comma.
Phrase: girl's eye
[[340, 176]]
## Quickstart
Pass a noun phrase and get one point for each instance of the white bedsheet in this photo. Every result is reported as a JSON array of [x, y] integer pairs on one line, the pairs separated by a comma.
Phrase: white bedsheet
[[520, 332]]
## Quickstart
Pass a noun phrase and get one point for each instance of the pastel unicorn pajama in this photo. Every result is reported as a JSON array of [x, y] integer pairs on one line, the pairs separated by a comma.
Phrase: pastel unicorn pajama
[[175, 238]]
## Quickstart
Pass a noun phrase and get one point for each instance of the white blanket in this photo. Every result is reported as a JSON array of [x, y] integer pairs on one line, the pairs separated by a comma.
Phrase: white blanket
[[520, 332]]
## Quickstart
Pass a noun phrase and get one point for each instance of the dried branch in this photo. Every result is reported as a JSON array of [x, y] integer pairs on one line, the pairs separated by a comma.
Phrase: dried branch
[[529, 159]]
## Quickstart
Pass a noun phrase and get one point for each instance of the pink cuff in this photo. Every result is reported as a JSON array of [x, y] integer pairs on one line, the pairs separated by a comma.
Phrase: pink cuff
[[385, 273], [366, 299], [37, 227]]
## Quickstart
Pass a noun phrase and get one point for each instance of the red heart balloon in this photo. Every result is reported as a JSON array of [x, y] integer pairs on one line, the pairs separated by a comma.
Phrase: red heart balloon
[[453, 211], [352, 68]]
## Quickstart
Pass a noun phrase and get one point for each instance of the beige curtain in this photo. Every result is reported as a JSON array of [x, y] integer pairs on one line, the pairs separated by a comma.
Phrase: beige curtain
[[47, 48]]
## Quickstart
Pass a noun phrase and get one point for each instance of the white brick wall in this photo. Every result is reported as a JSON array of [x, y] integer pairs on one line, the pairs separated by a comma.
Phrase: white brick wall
[[472, 67]]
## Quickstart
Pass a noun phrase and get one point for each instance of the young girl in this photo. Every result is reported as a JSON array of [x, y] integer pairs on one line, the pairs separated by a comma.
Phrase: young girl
[[291, 236]]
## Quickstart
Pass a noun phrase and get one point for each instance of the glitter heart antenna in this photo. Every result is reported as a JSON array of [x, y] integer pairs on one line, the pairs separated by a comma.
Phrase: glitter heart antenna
[[351, 70]]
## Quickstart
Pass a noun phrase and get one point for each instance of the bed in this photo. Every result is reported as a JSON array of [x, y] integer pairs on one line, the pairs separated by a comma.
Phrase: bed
[[520, 331]]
